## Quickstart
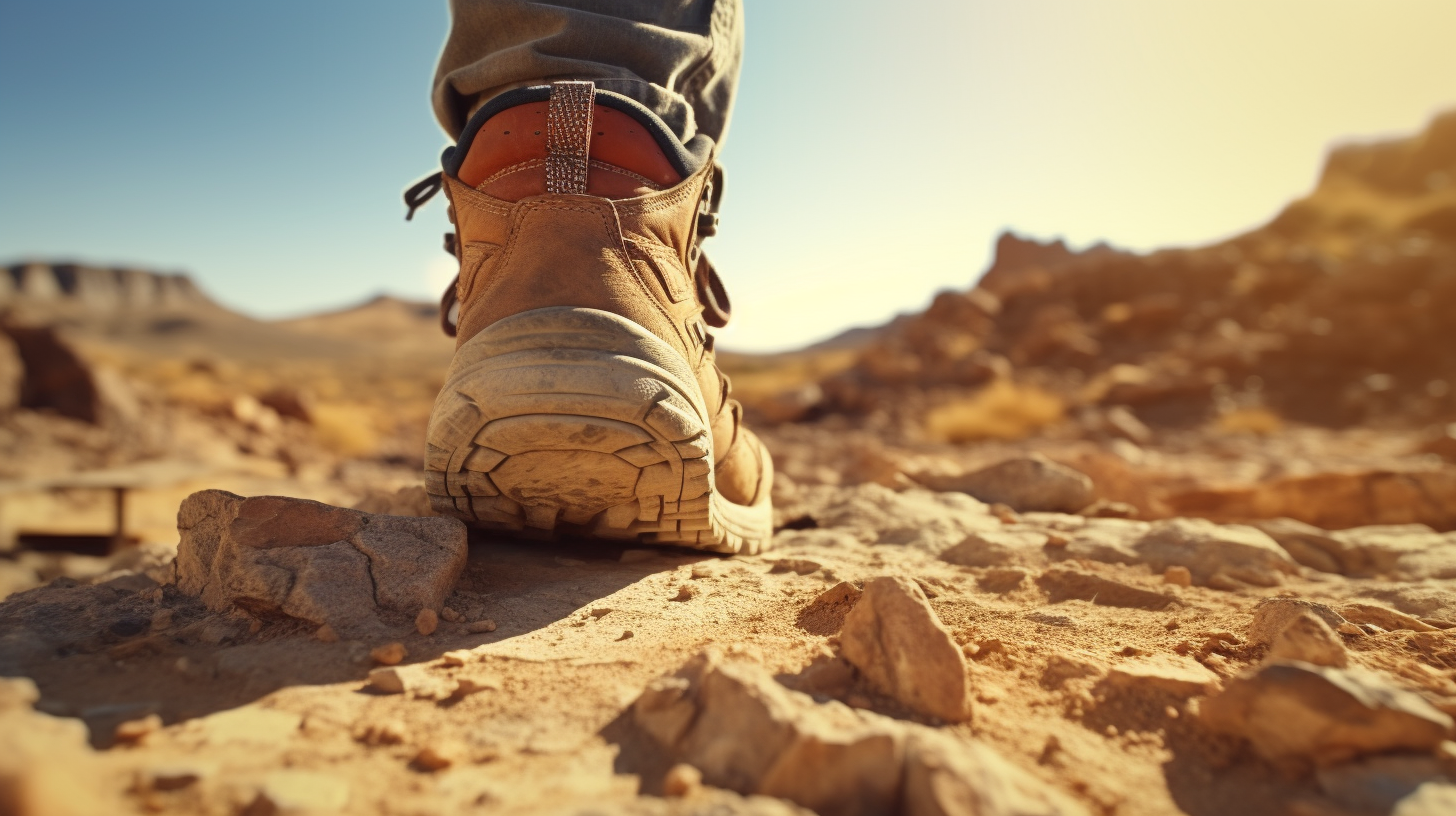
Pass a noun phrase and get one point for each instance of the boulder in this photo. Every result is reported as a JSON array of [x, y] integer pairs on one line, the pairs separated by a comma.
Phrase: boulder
[[281, 557], [896, 641], [747, 733], [1026, 484], [1215, 553], [1297, 713]]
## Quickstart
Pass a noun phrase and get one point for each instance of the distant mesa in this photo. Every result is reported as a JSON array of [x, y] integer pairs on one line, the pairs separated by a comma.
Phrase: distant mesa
[[72, 287]]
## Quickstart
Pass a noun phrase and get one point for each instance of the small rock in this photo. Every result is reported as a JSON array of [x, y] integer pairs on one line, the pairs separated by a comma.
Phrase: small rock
[[427, 622], [326, 634], [600, 612], [626, 634], [135, 730], [1004, 513], [480, 627], [172, 777], [405, 679], [1065, 582], [1272, 615], [1388, 784], [1178, 576], [1310, 639], [798, 566], [682, 779], [686, 592], [466, 686], [1210, 550], [1028, 484], [1297, 712], [1387, 619], [162, 619], [996, 548], [895, 639], [387, 680], [458, 657], [1001, 579], [1181, 677], [450, 615], [437, 757], [825, 614], [384, 732], [389, 654], [286, 793]]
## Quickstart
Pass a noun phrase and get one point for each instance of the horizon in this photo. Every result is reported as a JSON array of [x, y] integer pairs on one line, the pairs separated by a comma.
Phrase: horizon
[[1134, 124]]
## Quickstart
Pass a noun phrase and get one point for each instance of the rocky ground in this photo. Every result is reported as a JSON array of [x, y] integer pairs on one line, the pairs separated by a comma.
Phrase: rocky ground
[[1107, 534]]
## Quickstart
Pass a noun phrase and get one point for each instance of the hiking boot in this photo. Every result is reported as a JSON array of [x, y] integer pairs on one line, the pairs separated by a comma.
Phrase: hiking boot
[[583, 397]]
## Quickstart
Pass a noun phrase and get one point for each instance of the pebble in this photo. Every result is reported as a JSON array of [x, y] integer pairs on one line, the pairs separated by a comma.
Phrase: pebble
[[458, 657], [466, 686], [384, 732], [437, 757], [427, 622], [387, 680], [626, 633], [601, 612], [134, 730], [450, 615], [162, 619], [686, 592], [389, 654], [682, 779], [326, 634], [1178, 576], [480, 626]]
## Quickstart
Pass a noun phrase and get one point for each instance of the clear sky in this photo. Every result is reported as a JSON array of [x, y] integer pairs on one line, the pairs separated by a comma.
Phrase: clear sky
[[877, 150]]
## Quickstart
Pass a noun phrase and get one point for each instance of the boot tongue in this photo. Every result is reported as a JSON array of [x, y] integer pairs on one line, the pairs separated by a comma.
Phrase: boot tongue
[[566, 145]]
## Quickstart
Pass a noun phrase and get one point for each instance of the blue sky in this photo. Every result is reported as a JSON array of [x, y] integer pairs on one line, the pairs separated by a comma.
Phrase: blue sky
[[877, 149]]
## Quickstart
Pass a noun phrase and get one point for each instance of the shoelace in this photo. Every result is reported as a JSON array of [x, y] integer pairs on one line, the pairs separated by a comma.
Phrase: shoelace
[[421, 192]]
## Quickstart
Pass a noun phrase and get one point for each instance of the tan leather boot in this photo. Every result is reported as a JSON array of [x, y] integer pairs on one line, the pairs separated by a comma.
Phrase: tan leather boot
[[583, 397]]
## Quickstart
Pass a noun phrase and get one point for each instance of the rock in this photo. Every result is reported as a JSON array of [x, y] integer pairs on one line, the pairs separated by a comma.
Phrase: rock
[[1178, 576], [914, 518], [58, 378], [138, 729], [388, 680], [427, 622], [275, 556], [1066, 583], [294, 404], [410, 501], [1181, 677], [996, 548], [47, 767], [685, 592], [389, 654], [894, 638], [949, 777], [682, 779], [1294, 712], [480, 627], [745, 732], [1396, 784], [1334, 501], [1027, 484], [1309, 639], [1387, 619], [1272, 615], [457, 657], [438, 757], [300, 793], [1208, 550], [1305, 543], [825, 614]]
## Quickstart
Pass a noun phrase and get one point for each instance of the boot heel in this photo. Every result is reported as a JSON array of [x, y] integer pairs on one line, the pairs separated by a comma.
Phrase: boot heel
[[577, 421]]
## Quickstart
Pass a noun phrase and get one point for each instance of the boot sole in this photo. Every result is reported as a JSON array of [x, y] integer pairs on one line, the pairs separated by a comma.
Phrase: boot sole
[[581, 422]]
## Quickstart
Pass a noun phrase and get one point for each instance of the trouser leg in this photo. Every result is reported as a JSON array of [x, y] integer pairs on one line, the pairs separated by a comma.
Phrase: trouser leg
[[680, 58]]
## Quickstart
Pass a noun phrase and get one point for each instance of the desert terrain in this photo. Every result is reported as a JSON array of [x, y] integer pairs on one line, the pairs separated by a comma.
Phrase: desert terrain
[[1105, 533]]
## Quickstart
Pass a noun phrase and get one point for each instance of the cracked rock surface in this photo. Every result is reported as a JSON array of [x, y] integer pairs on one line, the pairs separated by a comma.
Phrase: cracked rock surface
[[272, 556]]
